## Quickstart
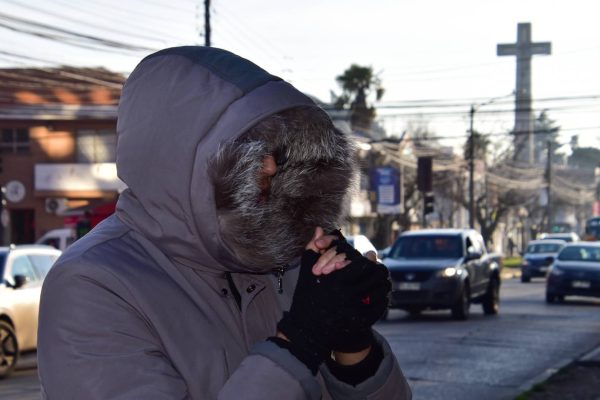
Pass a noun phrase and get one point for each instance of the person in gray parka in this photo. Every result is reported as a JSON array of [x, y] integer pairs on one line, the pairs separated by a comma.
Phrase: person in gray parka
[[221, 274]]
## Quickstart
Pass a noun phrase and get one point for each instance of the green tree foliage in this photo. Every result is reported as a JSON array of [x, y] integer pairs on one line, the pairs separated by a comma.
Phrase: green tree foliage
[[358, 83], [545, 130], [585, 158], [481, 144]]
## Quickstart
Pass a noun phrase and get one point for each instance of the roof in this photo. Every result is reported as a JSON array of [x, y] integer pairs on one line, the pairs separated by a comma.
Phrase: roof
[[583, 244], [13, 247], [547, 241], [59, 93], [449, 231]]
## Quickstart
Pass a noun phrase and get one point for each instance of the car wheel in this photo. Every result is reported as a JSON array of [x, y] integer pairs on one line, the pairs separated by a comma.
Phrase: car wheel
[[551, 298], [525, 278], [491, 299], [460, 309], [9, 349]]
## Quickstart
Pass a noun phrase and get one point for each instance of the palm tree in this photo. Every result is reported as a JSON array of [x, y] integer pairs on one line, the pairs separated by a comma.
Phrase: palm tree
[[357, 83]]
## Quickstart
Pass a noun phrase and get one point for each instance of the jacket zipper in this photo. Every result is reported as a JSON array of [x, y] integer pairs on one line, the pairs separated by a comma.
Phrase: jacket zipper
[[279, 271], [234, 291]]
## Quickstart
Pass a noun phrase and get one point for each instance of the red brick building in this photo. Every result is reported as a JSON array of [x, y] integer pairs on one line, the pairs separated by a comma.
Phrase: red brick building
[[57, 148]]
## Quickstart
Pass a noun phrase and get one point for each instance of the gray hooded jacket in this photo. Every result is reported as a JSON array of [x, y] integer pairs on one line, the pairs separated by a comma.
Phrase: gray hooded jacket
[[140, 307]]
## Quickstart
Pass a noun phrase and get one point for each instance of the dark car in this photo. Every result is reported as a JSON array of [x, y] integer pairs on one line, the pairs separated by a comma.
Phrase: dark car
[[443, 269], [538, 257], [575, 272]]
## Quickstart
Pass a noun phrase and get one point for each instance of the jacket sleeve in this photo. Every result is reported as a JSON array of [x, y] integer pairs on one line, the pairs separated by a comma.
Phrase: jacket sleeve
[[388, 383], [269, 366], [275, 374], [94, 345]]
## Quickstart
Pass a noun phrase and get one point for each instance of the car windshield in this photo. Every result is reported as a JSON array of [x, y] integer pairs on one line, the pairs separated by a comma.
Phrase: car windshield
[[427, 247], [543, 248], [580, 253]]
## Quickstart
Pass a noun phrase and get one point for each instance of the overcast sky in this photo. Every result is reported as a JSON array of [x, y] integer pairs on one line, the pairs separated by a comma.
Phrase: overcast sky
[[422, 50]]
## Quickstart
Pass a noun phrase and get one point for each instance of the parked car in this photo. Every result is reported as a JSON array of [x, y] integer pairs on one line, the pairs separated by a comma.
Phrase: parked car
[[566, 236], [538, 257], [383, 253], [23, 269], [443, 269], [58, 238], [575, 272]]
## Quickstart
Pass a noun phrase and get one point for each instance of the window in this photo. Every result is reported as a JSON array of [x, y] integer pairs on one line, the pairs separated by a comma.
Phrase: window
[[96, 146], [22, 266], [443, 246], [476, 242], [14, 140], [42, 263]]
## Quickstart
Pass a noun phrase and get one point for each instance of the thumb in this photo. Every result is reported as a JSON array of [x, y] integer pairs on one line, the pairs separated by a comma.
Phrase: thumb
[[311, 245], [371, 255]]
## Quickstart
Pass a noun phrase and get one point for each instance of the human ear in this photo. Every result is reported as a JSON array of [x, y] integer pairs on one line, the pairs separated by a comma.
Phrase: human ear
[[267, 171]]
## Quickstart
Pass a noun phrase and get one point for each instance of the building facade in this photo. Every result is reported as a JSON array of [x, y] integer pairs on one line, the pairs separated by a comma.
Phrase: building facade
[[57, 148]]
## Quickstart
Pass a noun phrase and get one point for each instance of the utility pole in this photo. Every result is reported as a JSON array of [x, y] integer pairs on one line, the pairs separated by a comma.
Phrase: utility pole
[[471, 170], [523, 50], [207, 23], [549, 187]]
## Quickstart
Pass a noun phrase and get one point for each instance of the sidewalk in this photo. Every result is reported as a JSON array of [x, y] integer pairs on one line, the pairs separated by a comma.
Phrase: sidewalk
[[510, 273], [578, 380]]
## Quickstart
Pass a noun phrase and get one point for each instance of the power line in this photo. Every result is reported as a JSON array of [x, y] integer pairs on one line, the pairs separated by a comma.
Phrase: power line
[[155, 20], [90, 38], [77, 21]]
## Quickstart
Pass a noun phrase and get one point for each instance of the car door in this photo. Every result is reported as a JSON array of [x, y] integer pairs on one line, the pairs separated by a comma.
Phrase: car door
[[477, 285], [484, 264], [25, 304]]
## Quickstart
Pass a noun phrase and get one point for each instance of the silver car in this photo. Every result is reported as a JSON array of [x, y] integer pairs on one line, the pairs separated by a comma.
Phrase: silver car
[[23, 269]]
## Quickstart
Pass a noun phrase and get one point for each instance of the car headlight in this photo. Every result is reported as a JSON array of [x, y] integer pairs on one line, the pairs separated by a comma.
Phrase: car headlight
[[556, 271], [449, 272], [525, 263]]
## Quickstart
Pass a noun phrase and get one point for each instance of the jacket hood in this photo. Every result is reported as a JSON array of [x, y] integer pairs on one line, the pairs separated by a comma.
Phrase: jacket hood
[[177, 108]]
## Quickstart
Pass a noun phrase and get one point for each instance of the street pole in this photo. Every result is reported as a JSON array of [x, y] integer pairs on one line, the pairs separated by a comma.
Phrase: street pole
[[207, 23], [549, 187], [471, 170]]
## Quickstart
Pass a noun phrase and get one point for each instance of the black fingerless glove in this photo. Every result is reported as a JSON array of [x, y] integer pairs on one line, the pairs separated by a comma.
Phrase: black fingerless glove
[[363, 287], [305, 323], [334, 311]]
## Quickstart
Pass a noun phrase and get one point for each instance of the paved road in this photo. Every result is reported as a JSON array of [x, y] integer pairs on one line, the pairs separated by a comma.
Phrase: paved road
[[492, 357], [483, 358], [23, 384]]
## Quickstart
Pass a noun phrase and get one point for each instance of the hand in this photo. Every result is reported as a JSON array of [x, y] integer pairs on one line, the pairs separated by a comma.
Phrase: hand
[[329, 260], [334, 311], [364, 285], [307, 325]]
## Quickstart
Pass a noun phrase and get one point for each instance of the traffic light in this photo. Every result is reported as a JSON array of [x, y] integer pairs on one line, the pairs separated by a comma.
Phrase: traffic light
[[424, 174], [428, 203]]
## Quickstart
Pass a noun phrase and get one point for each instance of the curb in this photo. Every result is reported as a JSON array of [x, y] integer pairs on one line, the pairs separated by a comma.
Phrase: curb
[[544, 376], [589, 358]]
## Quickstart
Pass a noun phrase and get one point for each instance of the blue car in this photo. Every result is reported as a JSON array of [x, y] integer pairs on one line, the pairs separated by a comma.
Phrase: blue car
[[575, 272], [538, 257]]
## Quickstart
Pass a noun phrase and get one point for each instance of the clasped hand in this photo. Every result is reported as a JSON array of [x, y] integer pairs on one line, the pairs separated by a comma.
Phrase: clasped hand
[[339, 295]]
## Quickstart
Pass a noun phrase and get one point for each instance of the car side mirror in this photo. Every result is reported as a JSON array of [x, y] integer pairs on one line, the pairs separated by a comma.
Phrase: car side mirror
[[19, 281], [473, 254]]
